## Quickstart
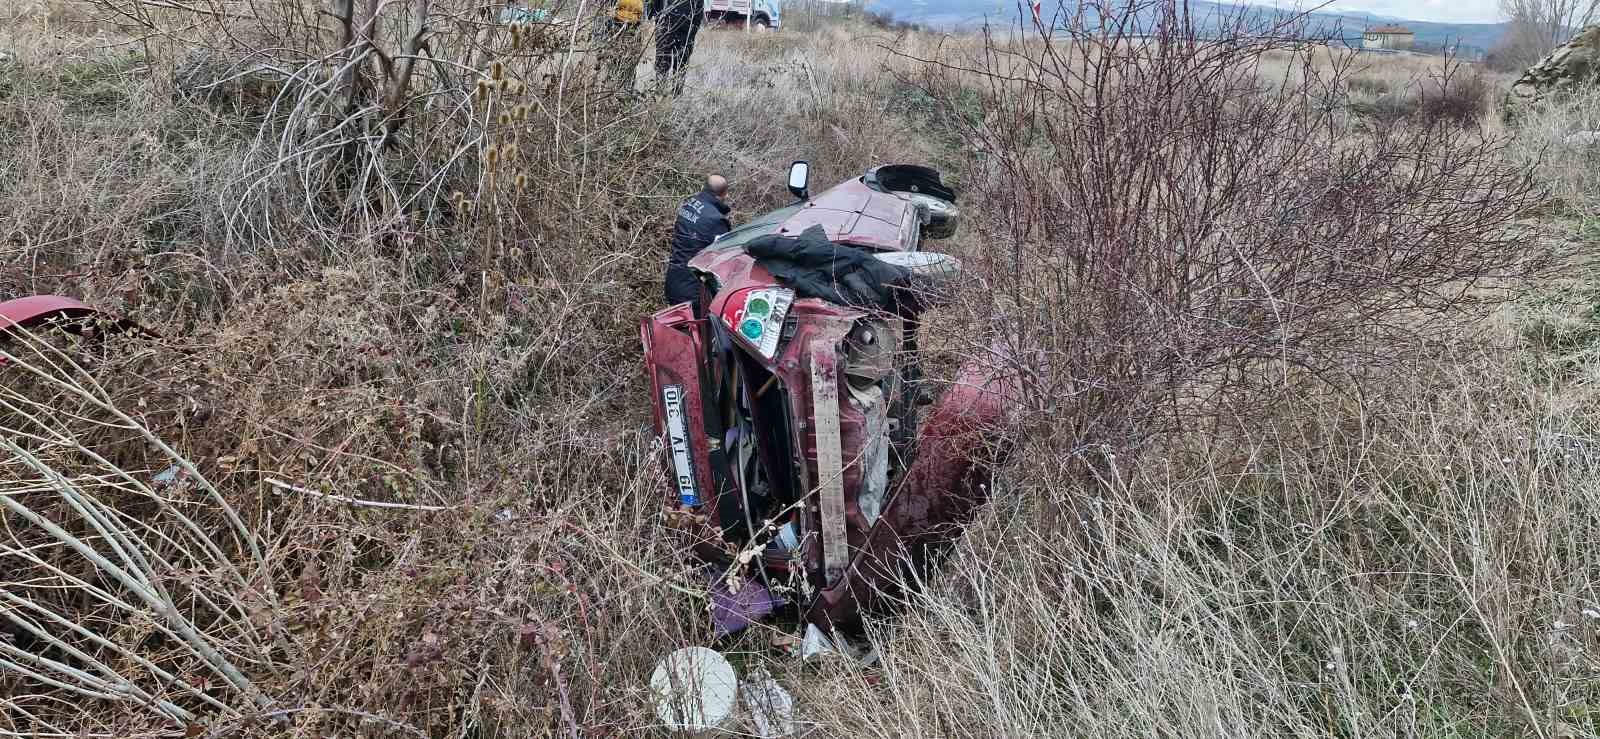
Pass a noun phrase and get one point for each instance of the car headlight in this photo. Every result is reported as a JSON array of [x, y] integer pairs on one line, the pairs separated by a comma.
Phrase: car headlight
[[942, 215], [758, 318]]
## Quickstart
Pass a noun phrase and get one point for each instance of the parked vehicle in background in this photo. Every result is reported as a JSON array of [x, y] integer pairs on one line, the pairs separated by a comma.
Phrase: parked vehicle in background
[[758, 15], [514, 13]]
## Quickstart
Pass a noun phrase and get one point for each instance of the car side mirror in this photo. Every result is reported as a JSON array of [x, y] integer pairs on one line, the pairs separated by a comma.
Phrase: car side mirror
[[799, 176]]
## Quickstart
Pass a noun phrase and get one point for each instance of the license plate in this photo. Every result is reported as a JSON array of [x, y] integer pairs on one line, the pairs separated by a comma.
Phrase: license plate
[[678, 437]]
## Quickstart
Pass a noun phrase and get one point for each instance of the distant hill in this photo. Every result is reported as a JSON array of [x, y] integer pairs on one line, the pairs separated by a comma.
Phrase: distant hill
[[971, 13]]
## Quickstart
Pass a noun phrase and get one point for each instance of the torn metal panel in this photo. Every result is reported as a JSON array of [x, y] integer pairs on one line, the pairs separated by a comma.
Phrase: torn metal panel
[[36, 310], [874, 458], [957, 449], [830, 465]]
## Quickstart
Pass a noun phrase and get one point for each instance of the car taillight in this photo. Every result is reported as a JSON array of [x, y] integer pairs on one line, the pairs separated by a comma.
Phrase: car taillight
[[758, 318]]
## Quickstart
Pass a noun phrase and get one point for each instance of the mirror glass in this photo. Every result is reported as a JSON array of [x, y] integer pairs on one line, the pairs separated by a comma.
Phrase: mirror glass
[[799, 173]]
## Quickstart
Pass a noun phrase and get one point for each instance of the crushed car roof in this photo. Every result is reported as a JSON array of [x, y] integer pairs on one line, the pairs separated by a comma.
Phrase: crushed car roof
[[850, 213]]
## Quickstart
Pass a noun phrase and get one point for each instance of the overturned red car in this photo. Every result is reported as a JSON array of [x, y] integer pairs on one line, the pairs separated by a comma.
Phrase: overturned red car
[[789, 405]]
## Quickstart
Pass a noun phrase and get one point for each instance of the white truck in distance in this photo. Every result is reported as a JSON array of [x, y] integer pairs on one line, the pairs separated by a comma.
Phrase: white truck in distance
[[757, 15]]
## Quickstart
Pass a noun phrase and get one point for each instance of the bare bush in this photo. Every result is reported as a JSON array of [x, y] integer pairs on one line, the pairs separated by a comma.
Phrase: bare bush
[[1406, 565], [372, 114], [1177, 241], [1448, 96], [1537, 26], [885, 20], [102, 560]]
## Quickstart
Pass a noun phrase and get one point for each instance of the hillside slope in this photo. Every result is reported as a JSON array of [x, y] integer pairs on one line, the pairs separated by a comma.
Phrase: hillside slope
[[957, 14]]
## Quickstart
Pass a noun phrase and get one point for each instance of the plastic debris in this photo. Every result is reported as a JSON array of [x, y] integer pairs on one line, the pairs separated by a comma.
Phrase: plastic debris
[[167, 476], [816, 645], [789, 537], [734, 611], [696, 690], [771, 707]]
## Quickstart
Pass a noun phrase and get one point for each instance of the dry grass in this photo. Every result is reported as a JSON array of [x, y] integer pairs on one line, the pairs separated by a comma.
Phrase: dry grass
[[1568, 160], [1411, 560], [1414, 565]]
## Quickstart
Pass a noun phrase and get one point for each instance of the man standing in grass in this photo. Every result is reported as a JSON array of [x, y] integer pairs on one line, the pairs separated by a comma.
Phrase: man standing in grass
[[677, 23], [619, 44], [701, 219]]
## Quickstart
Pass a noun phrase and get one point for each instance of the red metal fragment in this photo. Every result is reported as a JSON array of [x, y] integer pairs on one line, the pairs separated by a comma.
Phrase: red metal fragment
[[35, 310], [957, 449]]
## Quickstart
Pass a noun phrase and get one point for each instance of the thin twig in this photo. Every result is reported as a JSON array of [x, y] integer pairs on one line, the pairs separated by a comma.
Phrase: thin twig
[[281, 485]]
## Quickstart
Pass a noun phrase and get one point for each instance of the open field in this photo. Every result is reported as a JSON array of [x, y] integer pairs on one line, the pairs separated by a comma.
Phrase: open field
[[401, 375]]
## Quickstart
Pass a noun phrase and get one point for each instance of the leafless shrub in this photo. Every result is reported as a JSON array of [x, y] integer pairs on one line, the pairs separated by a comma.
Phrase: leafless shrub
[[1535, 27], [1448, 95], [1373, 86], [885, 20], [1455, 98], [1397, 566], [372, 114], [1178, 243], [102, 561]]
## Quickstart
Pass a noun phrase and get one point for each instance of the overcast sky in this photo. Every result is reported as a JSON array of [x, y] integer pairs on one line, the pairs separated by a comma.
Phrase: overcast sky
[[1443, 11]]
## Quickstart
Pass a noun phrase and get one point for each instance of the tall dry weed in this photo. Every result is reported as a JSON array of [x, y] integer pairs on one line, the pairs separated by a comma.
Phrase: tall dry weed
[[1558, 139], [1412, 564], [1175, 240], [430, 424]]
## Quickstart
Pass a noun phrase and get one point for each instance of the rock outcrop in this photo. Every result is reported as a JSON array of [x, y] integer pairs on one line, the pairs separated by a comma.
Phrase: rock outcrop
[[1570, 67]]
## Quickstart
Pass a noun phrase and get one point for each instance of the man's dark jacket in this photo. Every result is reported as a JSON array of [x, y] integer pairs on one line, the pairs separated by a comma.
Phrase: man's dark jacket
[[701, 219], [677, 8]]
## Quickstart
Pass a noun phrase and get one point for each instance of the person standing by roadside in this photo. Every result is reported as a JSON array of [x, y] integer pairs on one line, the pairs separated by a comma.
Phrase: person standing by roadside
[[701, 219], [620, 43], [677, 23]]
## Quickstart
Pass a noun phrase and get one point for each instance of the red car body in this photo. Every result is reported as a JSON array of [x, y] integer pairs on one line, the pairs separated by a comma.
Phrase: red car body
[[31, 312], [800, 451]]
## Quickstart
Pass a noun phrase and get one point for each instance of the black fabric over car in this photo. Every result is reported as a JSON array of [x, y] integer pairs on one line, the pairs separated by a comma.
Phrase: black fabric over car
[[815, 267]]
